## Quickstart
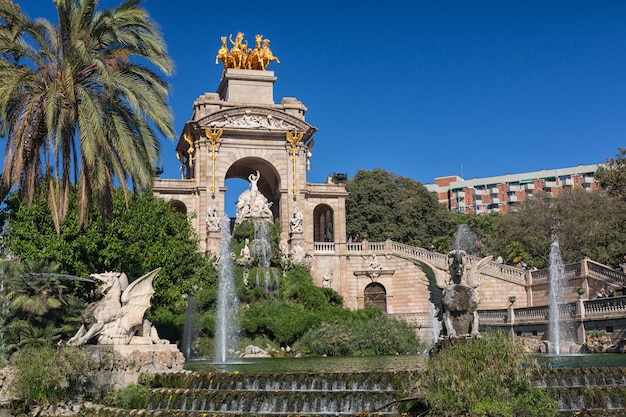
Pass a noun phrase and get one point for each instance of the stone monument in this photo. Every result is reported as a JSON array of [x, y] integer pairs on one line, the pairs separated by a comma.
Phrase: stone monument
[[458, 300], [119, 337], [252, 203]]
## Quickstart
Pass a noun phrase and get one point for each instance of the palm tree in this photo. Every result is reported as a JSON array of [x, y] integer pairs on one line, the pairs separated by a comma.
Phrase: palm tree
[[81, 102], [38, 309]]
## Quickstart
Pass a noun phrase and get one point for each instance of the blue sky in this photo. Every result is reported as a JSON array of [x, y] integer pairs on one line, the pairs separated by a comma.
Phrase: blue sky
[[425, 89]]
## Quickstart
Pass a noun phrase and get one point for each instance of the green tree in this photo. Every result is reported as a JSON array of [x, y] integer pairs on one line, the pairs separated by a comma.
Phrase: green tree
[[147, 235], [612, 175], [79, 104], [586, 223], [383, 205]]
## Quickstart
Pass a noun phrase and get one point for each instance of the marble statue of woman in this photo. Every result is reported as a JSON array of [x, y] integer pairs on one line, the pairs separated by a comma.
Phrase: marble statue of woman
[[295, 222]]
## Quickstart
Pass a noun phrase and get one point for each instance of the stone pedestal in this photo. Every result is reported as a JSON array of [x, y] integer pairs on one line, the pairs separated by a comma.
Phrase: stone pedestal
[[121, 365], [247, 86]]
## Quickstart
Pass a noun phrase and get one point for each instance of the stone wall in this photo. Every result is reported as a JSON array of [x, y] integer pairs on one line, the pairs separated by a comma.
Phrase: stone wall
[[122, 365], [119, 366]]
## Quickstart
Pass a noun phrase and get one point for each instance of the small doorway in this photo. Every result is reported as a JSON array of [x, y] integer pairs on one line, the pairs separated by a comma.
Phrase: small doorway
[[375, 294]]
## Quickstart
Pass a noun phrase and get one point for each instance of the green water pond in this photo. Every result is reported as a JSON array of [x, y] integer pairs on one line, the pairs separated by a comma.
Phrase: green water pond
[[385, 363]]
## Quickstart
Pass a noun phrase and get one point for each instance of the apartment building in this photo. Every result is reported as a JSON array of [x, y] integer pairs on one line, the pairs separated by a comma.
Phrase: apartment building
[[502, 193]]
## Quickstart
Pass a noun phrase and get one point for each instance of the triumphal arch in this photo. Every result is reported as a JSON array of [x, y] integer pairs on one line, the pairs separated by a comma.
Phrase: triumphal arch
[[240, 132]]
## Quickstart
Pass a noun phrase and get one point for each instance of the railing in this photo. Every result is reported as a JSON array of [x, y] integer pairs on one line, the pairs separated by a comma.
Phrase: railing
[[418, 320], [324, 247], [605, 307], [597, 270], [508, 272], [434, 258], [531, 314], [602, 308], [377, 246], [493, 316], [543, 275], [354, 246], [501, 271]]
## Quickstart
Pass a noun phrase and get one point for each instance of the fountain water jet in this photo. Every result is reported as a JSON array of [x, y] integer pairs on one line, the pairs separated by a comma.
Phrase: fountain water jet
[[433, 317], [189, 329], [261, 252], [227, 302], [465, 239], [557, 286], [261, 249]]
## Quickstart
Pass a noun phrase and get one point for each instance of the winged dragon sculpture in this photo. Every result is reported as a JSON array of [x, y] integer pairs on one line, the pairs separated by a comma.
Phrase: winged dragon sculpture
[[118, 318], [455, 292]]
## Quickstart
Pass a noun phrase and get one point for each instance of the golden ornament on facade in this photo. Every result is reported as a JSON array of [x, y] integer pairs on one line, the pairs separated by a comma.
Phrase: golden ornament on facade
[[294, 140], [190, 150], [241, 57], [214, 138]]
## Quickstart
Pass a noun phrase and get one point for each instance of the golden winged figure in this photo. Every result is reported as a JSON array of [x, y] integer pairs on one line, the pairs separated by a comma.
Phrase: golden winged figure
[[295, 138], [213, 135]]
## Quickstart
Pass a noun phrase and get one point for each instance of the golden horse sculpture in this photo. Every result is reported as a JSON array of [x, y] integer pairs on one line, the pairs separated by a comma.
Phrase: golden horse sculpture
[[242, 57]]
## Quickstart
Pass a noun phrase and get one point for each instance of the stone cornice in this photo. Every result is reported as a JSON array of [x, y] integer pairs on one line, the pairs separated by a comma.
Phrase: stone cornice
[[254, 118]]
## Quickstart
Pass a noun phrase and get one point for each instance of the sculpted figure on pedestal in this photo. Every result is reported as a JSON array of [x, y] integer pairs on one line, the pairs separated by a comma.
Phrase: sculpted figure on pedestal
[[118, 318], [253, 204], [212, 221], [458, 299], [295, 223]]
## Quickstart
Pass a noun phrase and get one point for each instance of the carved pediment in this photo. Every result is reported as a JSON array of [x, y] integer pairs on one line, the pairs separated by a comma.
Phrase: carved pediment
[[256, 118]]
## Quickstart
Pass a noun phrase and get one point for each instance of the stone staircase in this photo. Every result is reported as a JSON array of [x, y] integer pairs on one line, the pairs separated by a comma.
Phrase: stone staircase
[[268, 394]]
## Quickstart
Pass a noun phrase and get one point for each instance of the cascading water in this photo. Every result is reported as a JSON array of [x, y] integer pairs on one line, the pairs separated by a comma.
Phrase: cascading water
[[261, 249], [261, 252], [189, 330], [557, 289], [227, 302], [435, 322]]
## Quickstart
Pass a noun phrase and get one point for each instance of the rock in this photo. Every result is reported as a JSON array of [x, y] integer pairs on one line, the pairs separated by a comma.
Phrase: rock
[[252, 351], [603, 344]]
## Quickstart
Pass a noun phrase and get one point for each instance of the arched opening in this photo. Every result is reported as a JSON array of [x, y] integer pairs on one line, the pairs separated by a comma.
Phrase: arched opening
[[234, 188], [375, 294], [324, 230], [179, 206], [237, 181]]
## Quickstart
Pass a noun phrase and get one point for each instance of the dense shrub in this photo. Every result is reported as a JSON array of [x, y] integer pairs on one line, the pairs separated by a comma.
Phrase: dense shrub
[[45, 375], [366, 332], [486, 376], [132, 396], [312, 319]]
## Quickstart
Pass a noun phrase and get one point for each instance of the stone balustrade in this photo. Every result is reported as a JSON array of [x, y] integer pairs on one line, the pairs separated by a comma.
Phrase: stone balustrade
[[494, 269], [415, 319]]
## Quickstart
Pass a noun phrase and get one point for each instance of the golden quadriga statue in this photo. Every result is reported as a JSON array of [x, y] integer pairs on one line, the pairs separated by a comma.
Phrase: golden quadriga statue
[[241, 57]]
